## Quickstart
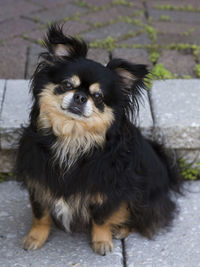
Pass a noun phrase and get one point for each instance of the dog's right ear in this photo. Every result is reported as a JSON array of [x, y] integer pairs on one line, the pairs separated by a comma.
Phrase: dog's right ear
[[60, 45]]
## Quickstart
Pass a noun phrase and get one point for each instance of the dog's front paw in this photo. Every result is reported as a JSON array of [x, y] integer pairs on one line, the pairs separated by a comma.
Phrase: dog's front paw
[[31, 243], [102, 247]]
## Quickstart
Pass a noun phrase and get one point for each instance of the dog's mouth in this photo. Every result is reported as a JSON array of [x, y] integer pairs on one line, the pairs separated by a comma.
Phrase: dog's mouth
[[75, 110]]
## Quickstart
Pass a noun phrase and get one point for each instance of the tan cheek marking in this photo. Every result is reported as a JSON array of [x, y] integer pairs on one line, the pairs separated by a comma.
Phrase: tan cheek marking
[[95, 88], [75, 80]]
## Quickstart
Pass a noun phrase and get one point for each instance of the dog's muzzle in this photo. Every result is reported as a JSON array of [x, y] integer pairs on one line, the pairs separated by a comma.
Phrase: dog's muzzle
[[77, 103]]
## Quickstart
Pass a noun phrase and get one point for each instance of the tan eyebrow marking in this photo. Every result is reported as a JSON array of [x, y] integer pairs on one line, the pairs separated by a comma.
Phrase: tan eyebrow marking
[[95, 88], [75, 81]]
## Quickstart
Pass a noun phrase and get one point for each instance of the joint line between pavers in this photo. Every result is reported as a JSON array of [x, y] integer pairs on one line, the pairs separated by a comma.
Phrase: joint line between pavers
[[26, 63], [1, 105], [151, 109], [124, 256]]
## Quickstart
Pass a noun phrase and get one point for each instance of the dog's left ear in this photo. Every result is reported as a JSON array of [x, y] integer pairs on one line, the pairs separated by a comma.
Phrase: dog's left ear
[[131, 74], [61, 45]]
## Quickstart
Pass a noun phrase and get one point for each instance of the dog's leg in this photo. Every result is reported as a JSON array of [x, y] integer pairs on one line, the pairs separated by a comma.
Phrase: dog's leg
[[102, 233], [40, 229]]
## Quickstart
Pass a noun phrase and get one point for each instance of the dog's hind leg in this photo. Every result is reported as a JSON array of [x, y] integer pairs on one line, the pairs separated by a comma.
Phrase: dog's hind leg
[[40, 229]]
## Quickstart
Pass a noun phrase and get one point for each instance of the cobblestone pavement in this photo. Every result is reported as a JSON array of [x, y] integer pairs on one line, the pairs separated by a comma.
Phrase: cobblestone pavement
[[154, 32]]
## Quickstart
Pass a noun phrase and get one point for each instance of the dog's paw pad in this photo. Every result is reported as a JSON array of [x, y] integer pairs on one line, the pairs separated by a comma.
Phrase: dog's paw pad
[[102, 247], [31, 243]]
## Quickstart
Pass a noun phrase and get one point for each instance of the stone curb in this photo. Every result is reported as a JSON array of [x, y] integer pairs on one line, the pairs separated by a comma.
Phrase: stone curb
[[169, 114]]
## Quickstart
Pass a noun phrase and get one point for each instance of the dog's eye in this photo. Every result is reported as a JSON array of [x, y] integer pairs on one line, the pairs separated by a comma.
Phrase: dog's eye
[[98, 97], [67, 85]]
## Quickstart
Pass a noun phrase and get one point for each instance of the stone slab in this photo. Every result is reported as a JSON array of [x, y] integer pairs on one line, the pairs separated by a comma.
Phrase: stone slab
[[176, 112], [177, 247], [61, 250], [15, 112]]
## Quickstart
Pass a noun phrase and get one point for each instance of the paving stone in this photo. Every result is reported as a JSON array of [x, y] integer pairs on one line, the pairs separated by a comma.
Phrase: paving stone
[[139, 39], [13, 58], [70, 27], [115, 30], [176, 112], [166, 39], [14, 27], [178, 63], [177, 247], [174, 27], [61, 250], [57, 14], [180, 16], [15, 112], [13, 8], [99, 55], [50, 3], [174, 3], [135, 55], [108, 14], [98, 3]]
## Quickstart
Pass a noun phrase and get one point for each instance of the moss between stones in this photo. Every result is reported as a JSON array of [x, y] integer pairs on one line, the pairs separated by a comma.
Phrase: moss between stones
[[178, 8], [189, 171], [197, 70], [154, 56], [160, 72], [165, 18], [5, 176], [108, 43]]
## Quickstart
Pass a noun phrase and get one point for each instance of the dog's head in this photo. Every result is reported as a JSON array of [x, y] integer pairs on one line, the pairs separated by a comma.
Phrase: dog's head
[[78, 96]]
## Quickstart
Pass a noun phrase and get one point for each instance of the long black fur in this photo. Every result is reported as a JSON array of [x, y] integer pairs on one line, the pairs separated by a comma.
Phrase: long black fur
[[128, 169]]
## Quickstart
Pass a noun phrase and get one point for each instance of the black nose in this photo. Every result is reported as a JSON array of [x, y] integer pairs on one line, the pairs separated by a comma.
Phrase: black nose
[[80, 98]]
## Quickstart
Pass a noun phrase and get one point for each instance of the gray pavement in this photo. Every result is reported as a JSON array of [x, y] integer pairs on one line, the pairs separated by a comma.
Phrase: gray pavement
[[174, 248]]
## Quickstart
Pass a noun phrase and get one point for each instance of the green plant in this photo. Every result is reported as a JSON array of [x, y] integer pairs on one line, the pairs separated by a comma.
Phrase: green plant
[[108, 43], [165, 18], [151, 32], [178, 8], [4, 176], [186, 77], [197, 70], [160, 72], [188, 171], [154, 56]]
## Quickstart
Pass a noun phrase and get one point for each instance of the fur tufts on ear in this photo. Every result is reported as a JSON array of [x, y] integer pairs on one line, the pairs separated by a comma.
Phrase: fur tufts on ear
[[61, 45], [132, 76]]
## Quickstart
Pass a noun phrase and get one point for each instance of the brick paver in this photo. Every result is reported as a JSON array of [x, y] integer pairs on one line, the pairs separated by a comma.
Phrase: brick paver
[[155, 25]]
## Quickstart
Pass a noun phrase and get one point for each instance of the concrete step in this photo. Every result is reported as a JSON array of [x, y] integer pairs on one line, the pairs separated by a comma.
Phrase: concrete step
[[169, 114]]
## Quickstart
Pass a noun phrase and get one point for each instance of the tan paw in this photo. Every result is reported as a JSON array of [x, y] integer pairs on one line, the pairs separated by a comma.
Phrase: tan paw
[[32, 243], [102, 247], [121, 233]]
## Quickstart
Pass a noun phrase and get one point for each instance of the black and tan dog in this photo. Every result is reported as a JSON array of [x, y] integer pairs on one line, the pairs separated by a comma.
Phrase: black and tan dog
[[81, 158]]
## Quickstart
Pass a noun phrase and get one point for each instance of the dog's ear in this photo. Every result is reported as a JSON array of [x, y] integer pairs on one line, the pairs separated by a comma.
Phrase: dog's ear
[[131, 74], [61, 45], [132, 85]]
